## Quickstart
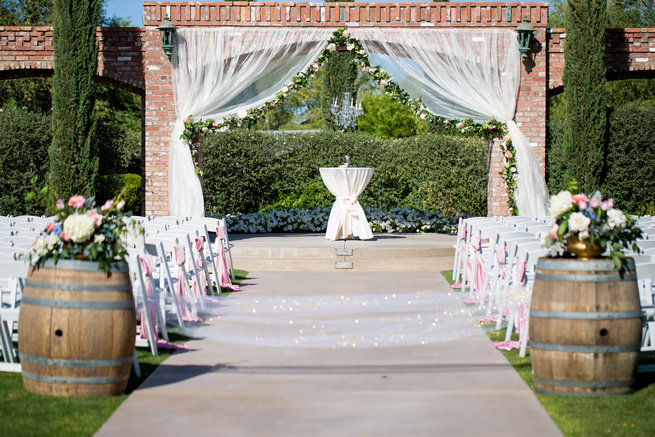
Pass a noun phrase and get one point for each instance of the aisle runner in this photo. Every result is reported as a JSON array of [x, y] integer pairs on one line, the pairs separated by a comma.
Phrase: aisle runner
[[334, 321]]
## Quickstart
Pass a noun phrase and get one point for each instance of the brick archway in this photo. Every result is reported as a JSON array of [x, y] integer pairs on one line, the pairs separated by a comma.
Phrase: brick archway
[[132, 59]]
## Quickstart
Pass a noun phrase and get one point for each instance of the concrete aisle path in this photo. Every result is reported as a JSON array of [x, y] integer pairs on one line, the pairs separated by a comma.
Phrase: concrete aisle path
[[455, 384]]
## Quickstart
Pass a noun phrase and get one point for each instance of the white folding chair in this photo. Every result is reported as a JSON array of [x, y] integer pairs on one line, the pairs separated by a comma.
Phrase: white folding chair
[[148, 301], [12, 281], [645, 283]]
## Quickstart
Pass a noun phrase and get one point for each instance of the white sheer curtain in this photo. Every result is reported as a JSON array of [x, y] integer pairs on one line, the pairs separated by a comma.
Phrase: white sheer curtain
[[463, 73], [219, 72]]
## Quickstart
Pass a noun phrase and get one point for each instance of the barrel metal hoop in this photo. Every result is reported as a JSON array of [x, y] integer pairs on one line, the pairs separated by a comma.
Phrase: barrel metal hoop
[[585, 349], [73, 380], [599, 315], [78, 287], [599, 265], [597, 277], [83, 265], [78, 304], [583, 384], [60, 362], [541, 391]]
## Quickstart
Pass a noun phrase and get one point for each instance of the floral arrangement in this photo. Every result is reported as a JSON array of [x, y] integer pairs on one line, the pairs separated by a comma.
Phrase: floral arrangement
[[509, 173], [296, 220], [594, 222], [81, 231]]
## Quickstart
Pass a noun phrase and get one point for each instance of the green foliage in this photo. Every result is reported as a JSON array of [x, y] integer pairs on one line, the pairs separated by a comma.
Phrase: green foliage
[[24, 141], [313, 196], [248, 171], [73, 159], [338, 75], [25, 12], [385, 117], [110, 186], [584, 91], [631, 157]]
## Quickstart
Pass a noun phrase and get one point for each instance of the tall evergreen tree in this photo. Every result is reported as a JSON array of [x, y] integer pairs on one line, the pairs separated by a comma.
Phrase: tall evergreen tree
[[584, 91], [73, 160], [339, 75]]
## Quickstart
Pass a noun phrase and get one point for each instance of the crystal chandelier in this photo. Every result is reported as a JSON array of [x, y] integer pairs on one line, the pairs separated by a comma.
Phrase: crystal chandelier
[[345, 115]]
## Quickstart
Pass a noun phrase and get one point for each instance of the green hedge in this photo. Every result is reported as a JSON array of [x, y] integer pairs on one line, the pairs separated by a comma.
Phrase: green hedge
[[109, 186], [24, 140], [248, 171], [631, 157]]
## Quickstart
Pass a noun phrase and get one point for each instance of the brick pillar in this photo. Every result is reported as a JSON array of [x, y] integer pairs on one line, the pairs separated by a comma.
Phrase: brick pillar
[[159, 120], [530, 116]]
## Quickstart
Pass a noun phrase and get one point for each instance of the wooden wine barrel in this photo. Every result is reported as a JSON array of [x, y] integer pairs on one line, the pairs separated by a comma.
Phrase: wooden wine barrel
[[585, 327], [76, 329]]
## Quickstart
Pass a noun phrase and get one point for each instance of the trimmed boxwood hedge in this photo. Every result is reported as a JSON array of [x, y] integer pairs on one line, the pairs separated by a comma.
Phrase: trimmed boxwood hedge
[[247, 171]]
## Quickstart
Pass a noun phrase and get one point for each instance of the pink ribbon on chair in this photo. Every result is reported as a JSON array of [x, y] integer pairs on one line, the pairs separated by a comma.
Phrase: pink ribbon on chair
[[188, 314], [522, 313], [476, 245], [461, 238], [201, 284], [225, 284], [147, 267]]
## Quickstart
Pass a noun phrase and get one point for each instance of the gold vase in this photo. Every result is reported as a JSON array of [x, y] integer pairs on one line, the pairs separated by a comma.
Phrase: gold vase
[[583, 249]]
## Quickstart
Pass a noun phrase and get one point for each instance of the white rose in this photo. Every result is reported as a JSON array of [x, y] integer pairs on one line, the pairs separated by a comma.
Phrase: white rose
[[52, 240], [350, 46], [560, 203], [346, 33], [242, 113], [79, 227], [332, 47], [285, 89], [615, 218], [383, 82], [98, 239], [578, 222]]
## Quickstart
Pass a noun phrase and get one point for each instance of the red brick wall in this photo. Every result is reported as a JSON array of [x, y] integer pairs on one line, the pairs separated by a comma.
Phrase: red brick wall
[[630, 53]]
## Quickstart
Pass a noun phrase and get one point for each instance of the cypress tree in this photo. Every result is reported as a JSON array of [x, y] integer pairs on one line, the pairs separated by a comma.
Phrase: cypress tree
[[584, 92], [73, 160], [338, 74]]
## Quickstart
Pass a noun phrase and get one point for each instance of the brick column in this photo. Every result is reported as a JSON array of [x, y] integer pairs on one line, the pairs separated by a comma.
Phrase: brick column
[[159, 120]]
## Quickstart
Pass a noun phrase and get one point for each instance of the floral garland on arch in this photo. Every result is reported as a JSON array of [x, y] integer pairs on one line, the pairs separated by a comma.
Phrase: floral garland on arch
[[341, 40]]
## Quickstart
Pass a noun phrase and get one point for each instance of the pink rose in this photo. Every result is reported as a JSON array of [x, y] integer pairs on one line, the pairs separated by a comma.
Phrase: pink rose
[[107, 205], [610, 202], [582, 205], [605, 206], [97, 218], [580, 198], [60, 204], [553, 232], [76, 202], [595, 203], [120, 205], [64, 236]]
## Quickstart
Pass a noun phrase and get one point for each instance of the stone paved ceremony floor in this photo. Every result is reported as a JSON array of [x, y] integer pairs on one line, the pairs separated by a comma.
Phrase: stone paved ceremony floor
[[298, 353]]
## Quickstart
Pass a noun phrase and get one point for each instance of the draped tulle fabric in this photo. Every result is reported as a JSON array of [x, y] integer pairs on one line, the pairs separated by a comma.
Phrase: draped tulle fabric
[[219, 72], [463, 73]]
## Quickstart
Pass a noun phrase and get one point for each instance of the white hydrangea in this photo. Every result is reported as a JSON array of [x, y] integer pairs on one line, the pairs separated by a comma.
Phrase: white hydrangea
[[578, 222], [615, 218], [79, 227], [560, 203]]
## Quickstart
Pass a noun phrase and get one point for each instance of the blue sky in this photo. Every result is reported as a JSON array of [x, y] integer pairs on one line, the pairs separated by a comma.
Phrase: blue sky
[[133, 10]]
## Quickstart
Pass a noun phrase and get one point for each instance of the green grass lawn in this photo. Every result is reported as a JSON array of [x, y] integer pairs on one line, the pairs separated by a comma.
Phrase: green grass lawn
[[627, 415], [27, 414]]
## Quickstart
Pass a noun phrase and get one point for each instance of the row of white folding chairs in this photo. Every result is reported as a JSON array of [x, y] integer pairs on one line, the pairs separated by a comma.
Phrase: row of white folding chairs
[[12, 281]]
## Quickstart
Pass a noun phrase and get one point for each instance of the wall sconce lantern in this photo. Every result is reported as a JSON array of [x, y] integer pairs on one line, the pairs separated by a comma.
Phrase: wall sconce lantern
[[526, 32], [167, 30]]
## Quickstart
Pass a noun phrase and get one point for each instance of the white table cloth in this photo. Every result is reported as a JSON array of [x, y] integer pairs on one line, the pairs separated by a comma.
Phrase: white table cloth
[[347, 219]]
